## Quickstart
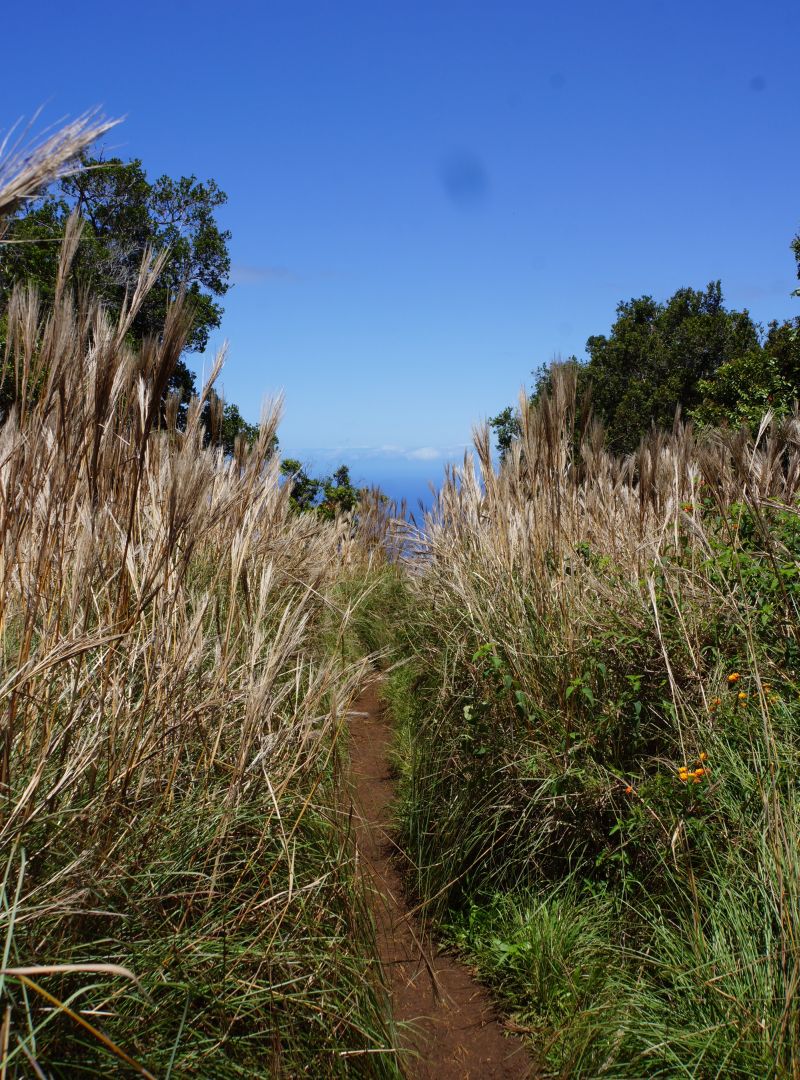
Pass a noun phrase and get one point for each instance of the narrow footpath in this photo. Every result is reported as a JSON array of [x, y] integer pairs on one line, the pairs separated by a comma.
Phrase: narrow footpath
[[453, 1033]]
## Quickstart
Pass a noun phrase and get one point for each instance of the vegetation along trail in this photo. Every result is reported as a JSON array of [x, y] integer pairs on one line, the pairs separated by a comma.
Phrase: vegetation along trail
[[453, 1032]]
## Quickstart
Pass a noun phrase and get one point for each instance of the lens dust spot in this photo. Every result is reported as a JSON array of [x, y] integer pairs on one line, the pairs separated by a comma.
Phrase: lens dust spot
[[465, 179]]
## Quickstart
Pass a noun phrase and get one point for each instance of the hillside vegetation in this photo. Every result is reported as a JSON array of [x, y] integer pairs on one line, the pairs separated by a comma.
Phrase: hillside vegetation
[[178, 894], [600, 739], [591, 663]]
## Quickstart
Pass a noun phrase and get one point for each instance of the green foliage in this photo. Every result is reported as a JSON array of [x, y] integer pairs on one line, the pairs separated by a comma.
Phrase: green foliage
[[764, 379], [548, 956], [606, 990], [125, 215], [742, 391], [600, 730], [234, 426], [690, 354], [672, 909], [305, 489], [338, 494], [506, 428], [327, 496], [655, 356]]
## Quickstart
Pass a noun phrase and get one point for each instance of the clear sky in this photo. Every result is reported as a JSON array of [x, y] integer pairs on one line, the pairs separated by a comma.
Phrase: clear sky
[[429, 199]]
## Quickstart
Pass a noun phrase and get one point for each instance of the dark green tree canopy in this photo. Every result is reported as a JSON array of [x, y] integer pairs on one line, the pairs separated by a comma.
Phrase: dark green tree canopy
[[765, 378], [125, 215], [325, 495], [661, 357], [655, 355]]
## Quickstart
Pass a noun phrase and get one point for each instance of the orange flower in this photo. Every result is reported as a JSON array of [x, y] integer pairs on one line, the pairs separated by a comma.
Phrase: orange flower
[[629, 790], [733, 677], [742, 696]]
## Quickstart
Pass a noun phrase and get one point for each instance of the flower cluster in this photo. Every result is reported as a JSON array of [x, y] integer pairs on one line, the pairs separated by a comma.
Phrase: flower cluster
[[685, 774], [742, 697]]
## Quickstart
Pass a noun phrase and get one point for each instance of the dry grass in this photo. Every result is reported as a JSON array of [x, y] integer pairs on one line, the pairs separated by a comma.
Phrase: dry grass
[[178, 895], [29, 164], [573, 621]]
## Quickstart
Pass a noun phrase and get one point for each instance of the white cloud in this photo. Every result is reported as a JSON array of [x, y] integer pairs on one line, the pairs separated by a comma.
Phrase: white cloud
[[388, 452], [424, 453]]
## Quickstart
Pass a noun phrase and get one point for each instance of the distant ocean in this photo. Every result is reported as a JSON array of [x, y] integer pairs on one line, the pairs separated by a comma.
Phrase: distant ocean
[[414, 488], [400, 475]]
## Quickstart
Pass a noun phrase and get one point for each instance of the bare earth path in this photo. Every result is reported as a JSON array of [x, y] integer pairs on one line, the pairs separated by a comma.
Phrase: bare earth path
[[455, 1035]]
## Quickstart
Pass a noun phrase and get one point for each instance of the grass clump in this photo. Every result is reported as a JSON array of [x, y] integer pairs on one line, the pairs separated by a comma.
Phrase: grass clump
[[601, 722], [179, 894]]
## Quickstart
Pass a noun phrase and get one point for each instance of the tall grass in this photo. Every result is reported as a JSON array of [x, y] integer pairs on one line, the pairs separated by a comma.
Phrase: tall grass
[[582, 628], [178, 894]]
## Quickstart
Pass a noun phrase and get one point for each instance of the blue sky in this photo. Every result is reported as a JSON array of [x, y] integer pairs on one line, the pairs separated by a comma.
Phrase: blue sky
[[430, 199]]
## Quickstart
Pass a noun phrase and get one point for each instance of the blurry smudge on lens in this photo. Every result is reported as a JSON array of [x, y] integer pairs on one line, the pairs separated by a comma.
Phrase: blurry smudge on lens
[[465, 179]]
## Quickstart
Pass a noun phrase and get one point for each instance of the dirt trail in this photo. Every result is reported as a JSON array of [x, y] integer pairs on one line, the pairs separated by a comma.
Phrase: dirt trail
[[455, 1035]]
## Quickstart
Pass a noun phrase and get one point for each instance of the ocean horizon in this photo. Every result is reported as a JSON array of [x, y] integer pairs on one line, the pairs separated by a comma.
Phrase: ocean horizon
[[412, 475]]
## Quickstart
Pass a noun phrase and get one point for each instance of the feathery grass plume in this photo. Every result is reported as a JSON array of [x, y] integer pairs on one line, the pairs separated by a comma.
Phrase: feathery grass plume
[[171, 796], [572, 749], [28, 163]]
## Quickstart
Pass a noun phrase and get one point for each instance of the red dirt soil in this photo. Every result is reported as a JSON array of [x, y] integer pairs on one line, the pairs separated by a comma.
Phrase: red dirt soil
[[450, 1029]]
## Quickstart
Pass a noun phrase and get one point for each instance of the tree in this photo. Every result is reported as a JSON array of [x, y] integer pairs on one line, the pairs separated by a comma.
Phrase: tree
[[304, 489], [507, 425], [125, 214], [765, 378], [232, 427], [506, 428], [339, 495], [652, 362], [326, 496], [656, 355], [742, 391]]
